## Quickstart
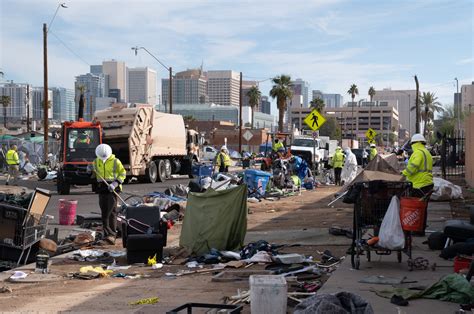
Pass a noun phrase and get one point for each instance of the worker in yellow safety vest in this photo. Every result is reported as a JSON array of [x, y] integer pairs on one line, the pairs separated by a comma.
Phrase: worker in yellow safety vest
[[13, 162], [337, 162], [419, 170], [373, 152], [277, 145], [223, 161], [110, 174]]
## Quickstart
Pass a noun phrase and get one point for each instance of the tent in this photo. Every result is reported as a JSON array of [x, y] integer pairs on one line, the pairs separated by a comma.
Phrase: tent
[[215, 219]]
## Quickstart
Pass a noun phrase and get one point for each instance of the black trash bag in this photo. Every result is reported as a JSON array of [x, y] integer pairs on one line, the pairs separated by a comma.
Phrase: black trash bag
[[456, 249], [339, 303], [436, 240]]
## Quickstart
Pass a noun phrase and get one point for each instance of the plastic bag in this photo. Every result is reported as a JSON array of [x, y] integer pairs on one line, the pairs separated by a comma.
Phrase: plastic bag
[[391, 234]]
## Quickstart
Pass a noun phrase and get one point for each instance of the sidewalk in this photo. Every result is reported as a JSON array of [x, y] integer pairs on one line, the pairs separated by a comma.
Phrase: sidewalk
[[347, 279]]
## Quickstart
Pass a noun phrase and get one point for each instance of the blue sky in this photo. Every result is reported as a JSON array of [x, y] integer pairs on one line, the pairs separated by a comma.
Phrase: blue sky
[[329, 43]]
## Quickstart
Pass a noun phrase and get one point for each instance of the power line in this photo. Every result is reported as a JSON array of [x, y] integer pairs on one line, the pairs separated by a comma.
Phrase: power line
[[67, 47]]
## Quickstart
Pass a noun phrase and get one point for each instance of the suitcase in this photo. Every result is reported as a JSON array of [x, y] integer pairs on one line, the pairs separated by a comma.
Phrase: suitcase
[[142, 246]]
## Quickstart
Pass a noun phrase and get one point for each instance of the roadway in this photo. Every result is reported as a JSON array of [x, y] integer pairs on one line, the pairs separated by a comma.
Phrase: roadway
[[88, 201]]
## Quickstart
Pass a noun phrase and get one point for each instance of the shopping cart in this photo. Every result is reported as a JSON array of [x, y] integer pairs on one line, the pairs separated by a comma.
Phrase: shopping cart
[[371, 203]]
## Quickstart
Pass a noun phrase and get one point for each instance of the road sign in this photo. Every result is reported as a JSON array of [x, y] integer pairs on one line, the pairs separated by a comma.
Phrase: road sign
[[370, 134], [314, 120], [247, 135]]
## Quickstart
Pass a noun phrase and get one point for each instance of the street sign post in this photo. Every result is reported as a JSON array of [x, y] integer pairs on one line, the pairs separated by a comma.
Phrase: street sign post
[[314, 120], [247, 136], [370, 135]]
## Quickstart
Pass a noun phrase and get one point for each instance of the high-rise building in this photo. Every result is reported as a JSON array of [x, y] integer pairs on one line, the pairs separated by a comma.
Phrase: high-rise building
[[189, 87], [223, 87], [20, 101], [467, 97], [406, 100], [94, 86], [115, 73], [37, 98], [142, 86], [64, 105], [265, 106], [330, 100], [301, 88], [96, 69]]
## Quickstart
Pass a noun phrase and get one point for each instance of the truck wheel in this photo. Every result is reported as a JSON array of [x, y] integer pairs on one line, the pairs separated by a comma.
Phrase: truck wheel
[[151, 172], [64, 188], [161, 177], [168, 170]]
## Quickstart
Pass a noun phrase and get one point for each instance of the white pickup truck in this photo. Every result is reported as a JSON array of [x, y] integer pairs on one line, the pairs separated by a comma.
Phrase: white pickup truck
[[304, 146]]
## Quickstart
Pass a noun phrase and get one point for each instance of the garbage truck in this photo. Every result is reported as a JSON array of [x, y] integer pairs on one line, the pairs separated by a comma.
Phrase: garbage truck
[[151, 145]]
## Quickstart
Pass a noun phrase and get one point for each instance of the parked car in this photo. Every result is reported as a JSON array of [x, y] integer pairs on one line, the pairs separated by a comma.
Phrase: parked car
[[209, 153]]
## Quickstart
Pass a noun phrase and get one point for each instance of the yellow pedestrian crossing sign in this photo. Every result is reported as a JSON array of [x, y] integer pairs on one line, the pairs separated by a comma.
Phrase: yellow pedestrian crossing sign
[[370, 134], [314, 120]]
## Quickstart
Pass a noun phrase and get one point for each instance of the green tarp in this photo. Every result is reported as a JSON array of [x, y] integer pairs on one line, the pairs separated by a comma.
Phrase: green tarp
[[215, 219]]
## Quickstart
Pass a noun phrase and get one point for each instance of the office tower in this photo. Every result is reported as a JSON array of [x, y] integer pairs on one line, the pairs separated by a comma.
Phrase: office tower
[[300, 88], [189, 87], [115, 73], [20, 101], [94, 86], [142, 86], [265, 106], [223, 87], [64, 105]]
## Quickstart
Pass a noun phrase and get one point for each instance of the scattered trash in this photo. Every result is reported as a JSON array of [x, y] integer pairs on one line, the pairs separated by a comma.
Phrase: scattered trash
[[260, 257], [18, 275], [398, 300], [97, 270], [444, 190], [152, 260], [157, 266], [193, 264], [341, 302], [144, 301], [115, 267], [6, 289], [289, 258], [419, 263]]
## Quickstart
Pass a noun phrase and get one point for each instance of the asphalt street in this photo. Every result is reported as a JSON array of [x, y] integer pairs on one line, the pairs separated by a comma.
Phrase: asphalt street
[[87, 201]]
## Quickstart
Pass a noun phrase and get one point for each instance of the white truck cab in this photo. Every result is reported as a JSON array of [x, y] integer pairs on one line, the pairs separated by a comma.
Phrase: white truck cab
[[304, 146]]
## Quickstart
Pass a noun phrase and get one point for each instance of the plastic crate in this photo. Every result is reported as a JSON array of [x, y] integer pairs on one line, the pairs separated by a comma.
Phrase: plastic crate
[[201, 170], [257, 180]]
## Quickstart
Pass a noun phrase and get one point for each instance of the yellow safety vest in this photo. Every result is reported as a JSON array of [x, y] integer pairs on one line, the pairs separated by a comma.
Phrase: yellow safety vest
[[277, 146], [373, 153], [111, 170], [12, 157], [223, 157], [338, 159], [419, 170]]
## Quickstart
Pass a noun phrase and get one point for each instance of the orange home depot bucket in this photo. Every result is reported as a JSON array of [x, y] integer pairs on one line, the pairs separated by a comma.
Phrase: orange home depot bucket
[[67, 212], [412, 213]]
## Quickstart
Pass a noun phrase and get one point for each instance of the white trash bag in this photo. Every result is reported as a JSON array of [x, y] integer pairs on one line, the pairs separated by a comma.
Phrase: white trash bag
[[391, 234]]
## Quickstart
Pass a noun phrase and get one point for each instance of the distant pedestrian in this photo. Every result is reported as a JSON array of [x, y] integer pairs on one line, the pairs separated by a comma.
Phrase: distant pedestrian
[[223, 161], [110, 174], [337, 163], [373, 152], [13, 162], [365, 156]]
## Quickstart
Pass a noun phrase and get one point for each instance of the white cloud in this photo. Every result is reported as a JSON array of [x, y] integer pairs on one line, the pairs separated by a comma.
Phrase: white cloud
[[465, 61]]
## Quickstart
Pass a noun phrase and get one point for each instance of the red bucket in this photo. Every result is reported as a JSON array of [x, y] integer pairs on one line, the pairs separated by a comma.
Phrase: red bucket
[[67, 212], [412, 213]]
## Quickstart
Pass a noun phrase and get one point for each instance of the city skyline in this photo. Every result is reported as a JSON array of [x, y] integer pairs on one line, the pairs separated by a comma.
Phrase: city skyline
[[330, 44]]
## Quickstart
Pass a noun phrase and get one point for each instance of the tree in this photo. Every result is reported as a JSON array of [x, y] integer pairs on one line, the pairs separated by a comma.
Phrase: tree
[[5, 101], [430, 105], [371, 95], [318, 104], [188, 119], [392, 138], [254, 95], [353, 91], [330, 128], [281, 90], [447, 122]]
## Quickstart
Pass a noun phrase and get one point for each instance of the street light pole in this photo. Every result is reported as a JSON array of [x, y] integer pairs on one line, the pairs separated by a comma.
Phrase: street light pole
[[240, 114], [45, 90], [457, 104], [170, 69]]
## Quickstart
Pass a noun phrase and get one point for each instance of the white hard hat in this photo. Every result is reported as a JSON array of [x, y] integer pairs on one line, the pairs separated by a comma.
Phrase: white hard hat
[[103, 151], [339, 147], [372, 145], [224, 147], [418, 138], [347, 149]]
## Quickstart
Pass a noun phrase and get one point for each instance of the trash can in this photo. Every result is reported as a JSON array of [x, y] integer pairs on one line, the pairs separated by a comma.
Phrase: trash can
[[202, 170], [67, 211], [257, 180]]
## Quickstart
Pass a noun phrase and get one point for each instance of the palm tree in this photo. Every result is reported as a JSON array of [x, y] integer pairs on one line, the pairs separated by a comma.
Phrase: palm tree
[[318, 104], [431, 105], [281, 90], [353, 91], [5, 101], [371, 95], [254, 95]]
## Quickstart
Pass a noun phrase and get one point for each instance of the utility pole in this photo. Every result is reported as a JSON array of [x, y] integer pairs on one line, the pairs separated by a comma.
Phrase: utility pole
[[171, 90], [417, 106], [28, 108], [240, 114], [45, 86], [457, 105]]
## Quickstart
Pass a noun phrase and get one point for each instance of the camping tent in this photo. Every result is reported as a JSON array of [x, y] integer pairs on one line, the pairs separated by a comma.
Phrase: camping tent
[[215, 219]]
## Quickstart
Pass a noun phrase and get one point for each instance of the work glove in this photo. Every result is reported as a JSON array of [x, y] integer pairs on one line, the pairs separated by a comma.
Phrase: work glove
[[113, 186]]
